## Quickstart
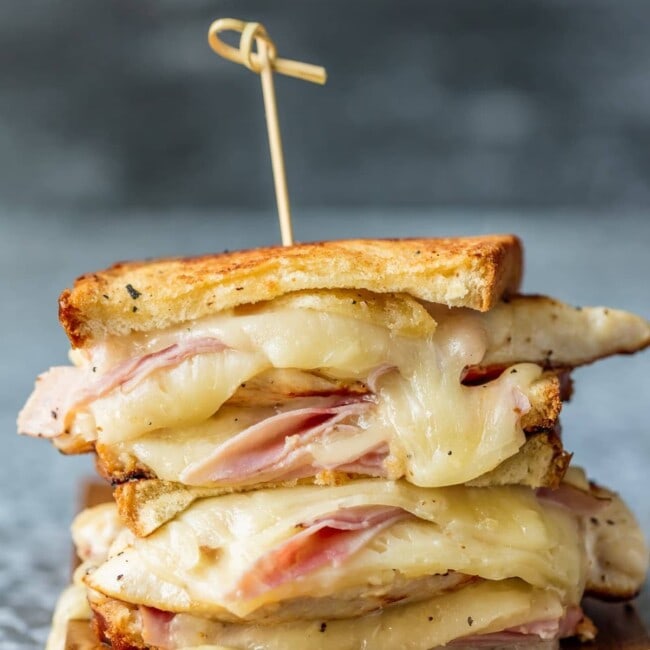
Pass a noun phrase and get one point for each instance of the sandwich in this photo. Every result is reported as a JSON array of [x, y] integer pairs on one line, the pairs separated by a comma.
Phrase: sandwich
[[362, 358], [372, 561], [348, 412]]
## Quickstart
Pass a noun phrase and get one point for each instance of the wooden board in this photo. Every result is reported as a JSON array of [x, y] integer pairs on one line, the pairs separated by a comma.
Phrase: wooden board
[[619, 625]]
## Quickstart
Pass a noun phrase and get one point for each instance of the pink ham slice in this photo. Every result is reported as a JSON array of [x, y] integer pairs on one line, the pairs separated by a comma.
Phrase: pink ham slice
[[276, 448], [45, 412], [328, 540], [580, 502], [156, 627], [370, 464], [63, 390]]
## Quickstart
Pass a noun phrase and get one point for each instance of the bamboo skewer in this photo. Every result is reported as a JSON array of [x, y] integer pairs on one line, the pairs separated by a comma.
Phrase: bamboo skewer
[[264, 62]]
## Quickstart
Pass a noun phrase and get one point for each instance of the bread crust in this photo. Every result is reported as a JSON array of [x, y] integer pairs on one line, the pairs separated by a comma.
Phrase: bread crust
[[116, 623], [473, 272]]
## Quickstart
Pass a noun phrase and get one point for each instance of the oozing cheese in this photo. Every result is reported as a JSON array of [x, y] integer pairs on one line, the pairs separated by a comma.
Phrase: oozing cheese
[[193, 562], [439, 431]]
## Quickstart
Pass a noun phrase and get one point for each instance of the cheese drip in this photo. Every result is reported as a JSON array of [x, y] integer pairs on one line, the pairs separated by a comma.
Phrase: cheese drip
[[439, 432], [192, 563]]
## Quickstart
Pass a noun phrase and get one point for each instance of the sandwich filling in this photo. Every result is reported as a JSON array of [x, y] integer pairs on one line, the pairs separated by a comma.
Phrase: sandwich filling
[[396, 405], [497, 597], [307, 551], [479, 614]]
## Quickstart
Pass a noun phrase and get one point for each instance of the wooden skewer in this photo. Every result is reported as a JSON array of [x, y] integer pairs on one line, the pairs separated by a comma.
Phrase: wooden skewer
[[264, 62]]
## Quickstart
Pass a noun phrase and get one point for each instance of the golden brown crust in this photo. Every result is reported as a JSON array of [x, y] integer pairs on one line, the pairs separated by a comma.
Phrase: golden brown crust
[[116, 622], [145, 505], [472, 272], [545, 403]]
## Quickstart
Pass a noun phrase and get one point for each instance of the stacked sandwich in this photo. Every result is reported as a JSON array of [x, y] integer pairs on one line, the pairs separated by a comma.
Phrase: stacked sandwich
[[341, 445]]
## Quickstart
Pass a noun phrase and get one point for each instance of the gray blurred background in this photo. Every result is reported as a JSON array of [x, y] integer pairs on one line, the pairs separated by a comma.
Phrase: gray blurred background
[[120, 103], [123, 136]]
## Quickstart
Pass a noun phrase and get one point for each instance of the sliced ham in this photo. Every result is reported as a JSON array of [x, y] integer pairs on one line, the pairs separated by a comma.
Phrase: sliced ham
[[61, 391], [45, 412], [277, 447], [132, 371], [156, 627], [328, 540], [370, 464], [580, 502]]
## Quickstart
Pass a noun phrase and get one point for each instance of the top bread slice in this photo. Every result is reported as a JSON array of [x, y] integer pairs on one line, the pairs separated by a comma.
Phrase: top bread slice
[[472, 272]]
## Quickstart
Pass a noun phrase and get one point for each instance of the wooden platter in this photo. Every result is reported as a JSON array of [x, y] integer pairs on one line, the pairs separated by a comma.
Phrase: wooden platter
[[619, 625]]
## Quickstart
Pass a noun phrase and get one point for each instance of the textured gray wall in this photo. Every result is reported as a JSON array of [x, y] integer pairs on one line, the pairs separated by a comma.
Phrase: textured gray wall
[[577, 257], [114, 103]]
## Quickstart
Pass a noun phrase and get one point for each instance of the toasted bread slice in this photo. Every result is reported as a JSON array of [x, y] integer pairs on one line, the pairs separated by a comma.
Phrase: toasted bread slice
[[116, 622], [472, 272]]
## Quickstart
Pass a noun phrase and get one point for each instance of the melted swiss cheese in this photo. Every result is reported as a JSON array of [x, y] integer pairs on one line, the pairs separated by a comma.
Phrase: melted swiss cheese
[[439, 431], [192, 563], [481, 608]]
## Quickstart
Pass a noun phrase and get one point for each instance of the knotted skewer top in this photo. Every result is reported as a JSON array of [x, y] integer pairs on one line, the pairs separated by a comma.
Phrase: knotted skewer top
[[256, 33], [264, 62]]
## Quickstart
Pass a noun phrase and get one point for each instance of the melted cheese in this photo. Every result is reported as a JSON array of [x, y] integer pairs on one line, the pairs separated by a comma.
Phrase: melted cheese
[[420, 626], [491, 607], [439, 431], [94, 530], [71, 606], [192, 563]]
